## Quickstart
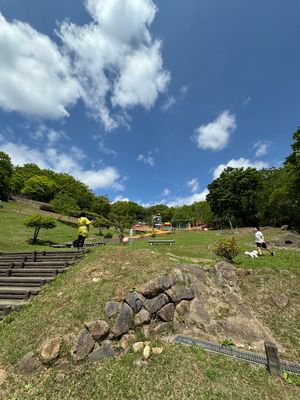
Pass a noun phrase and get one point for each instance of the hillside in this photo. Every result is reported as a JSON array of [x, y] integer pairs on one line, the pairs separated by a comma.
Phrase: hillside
[[108, 273]]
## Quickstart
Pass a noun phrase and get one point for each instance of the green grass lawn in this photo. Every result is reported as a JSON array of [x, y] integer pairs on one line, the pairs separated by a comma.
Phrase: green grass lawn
[[180, 372]]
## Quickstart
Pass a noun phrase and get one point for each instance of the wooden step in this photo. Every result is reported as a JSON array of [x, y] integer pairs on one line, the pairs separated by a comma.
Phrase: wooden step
[[24, 281], [4, 265]]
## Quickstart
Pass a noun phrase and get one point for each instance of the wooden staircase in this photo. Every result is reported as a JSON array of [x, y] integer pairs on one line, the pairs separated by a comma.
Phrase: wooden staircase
[[23, 274]]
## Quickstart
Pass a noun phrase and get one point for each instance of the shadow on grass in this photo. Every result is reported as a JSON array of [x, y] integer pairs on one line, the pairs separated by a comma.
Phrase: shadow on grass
[[68, 223], [40, 242]]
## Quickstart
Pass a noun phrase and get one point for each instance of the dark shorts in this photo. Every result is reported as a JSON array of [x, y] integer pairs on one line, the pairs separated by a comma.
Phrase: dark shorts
[[263, 245]]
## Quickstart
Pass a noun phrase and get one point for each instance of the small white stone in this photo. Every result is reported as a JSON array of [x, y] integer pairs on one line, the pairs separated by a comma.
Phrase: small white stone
[[146, 352], [157, 350], [138, 346]]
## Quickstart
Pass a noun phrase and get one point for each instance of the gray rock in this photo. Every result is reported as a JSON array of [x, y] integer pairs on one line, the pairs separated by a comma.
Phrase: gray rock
[[106, 350], [124, 321], [183, 307], [155, 286], [199, 312], [166, 313], [99, 329], [143, 317], [84, 345], [112, 308], [157, 328], [165, 282], [284, 227], [135, 300], [178, 293], [27, 365], [49, 350], [155, 304]]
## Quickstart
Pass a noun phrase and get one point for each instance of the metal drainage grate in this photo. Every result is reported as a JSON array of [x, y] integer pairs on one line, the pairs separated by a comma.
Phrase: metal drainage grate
[[236, 353]]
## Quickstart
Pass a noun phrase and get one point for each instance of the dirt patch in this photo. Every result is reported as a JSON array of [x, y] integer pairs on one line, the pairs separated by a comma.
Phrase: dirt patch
[[287, 240]]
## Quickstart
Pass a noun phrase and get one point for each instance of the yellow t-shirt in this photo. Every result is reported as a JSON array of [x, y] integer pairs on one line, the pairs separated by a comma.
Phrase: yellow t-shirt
[[83, 226]]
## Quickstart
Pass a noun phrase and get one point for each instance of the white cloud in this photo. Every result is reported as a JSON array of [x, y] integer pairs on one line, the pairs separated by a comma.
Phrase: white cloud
[[35, 77], [115, 59], [261, 148], [240, 163], [50, 158], [166, 192], [246, 101], [215, 135], [120, 198], [112, 64], [146, 159], [169, 103], [171, 100], [193, 185], [180, 201]]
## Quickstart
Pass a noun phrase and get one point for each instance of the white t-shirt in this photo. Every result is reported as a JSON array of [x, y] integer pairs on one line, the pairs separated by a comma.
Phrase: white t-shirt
[[259, 237]]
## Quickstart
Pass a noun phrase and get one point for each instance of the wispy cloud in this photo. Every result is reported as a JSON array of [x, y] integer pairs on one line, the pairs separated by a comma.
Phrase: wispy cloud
[[261, 148], [146, 159], [246, 101], [180, 201], [49, 157], [171, 100], [166, 192], [193, 185], [216, 134], [240, 163]]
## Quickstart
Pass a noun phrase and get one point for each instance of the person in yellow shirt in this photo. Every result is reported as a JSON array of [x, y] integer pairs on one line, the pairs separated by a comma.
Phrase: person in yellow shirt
[[83, 229]]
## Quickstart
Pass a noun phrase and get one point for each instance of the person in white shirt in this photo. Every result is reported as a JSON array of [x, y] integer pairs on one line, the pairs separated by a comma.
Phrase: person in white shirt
[[260, 242]]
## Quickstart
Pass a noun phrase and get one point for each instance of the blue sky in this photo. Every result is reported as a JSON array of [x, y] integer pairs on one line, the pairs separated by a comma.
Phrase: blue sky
[[149, 100]]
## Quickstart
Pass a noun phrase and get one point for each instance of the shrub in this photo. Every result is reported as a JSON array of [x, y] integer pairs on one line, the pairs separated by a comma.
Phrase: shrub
[[108, 235], [226, 248]]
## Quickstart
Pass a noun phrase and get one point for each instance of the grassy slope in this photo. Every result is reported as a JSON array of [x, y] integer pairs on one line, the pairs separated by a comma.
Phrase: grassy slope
[[180, 372]]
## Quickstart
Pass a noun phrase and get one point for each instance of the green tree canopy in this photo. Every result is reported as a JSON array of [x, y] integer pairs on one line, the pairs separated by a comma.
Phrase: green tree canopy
[[64, 204], [37, 222], [21, 175], [40, 187], [235, 195], [6, 171]]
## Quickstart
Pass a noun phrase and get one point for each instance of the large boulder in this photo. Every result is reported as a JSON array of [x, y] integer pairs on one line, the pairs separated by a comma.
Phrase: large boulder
[[112, 308], [155, 304], [142, 317], [155, 286], [99, 329], [178, 293], [135, 300], [49, 350], [84, 345], [106, 350], [124, 321], [28, 364], [166, 313]]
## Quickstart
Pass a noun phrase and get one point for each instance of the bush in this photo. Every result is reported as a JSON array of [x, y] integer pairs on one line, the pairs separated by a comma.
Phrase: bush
[[226, 248], [108, 235]]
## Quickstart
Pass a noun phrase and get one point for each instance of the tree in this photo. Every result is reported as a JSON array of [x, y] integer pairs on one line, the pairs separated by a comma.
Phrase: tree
[[40, 187], [22, 174], [37, 222], [292, 166], [101, 206], [234, 195], [6, 171], [64, 204], [120, 223]]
